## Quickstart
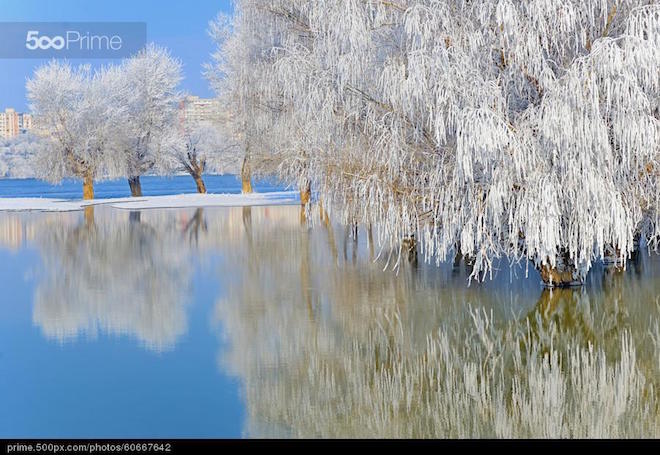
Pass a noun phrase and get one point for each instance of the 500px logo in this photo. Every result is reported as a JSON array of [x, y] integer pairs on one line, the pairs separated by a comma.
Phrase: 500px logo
[[34, 42], [88, 42]]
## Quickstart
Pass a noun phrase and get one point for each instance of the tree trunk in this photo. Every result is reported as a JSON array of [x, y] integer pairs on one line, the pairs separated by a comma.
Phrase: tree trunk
[[325, 221], [306, 194], [88, 187], [201, 186], [305, 276], [136, 186], [562, 276], [409, 248], [466, 259], [636, 255], [305, 198], [370, 240], [612, 260], [246, 176], [351, 232], [323, 215]]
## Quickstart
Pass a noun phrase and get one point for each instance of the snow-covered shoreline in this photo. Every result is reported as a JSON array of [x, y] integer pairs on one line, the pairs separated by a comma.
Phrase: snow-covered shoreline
[[151, 202]]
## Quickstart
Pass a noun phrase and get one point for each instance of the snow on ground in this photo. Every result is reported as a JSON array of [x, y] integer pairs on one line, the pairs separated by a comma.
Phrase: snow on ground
[[151, 202]]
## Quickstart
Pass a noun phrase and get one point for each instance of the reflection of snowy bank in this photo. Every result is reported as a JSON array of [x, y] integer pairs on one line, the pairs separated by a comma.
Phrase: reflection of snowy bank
[[152, 202], [117, 273], [21, 229], [124, 272]]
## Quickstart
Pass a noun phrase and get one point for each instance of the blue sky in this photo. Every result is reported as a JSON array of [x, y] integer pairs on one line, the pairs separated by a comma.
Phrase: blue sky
[[178, 25]]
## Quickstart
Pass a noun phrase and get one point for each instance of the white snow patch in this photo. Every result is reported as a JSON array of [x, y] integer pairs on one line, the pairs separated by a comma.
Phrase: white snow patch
[[151, 202]]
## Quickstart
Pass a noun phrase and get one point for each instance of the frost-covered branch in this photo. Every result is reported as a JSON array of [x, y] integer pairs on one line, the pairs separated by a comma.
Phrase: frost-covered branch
[[529, 129]]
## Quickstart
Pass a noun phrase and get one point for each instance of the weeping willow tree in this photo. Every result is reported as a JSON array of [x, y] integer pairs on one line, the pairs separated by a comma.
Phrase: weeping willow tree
[[520, 129]]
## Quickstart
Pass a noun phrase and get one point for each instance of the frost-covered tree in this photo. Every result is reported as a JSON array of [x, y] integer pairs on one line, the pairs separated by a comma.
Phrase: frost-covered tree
[[77, 111], [105, 123], [194, 149], [502, 128], [17, 155], [239, 67], [150, 96]]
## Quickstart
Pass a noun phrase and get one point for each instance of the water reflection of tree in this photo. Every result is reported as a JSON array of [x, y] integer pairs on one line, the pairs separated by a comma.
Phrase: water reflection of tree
[[329, 346], [616, 304], [196, 227], [124, 274]]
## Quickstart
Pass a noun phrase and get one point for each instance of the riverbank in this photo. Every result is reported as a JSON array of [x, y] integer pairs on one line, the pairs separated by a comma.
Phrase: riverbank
[[151, 202]]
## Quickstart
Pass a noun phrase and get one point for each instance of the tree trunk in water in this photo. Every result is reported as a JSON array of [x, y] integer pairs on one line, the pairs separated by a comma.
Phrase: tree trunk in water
[[88, 187], [306, 194], [325, 221], [201, 187], [351, 232], [305, 277], [305, 198], [612, 257], [409, 248], [136, 186], [370, 239], [246, 177], [466, 259], [561, 276], [458, 259], [636, 255], [323, 215]]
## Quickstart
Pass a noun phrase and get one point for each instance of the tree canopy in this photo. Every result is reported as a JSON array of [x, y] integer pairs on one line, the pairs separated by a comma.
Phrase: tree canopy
[[500, 128]]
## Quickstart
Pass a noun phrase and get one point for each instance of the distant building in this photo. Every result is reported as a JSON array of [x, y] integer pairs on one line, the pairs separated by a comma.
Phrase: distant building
[[194, 110], [13, 123], [8, 123], [24, 122]]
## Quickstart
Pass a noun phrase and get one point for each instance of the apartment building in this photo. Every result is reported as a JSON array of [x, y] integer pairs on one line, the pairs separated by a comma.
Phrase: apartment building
[[194, 110], [13, 123], [24, 122]]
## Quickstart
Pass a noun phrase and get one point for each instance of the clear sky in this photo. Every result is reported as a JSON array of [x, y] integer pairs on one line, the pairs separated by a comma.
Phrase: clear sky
[[179, 25]]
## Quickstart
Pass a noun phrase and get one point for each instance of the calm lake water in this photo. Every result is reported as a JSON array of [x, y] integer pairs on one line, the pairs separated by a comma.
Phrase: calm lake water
[[245, 323]]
